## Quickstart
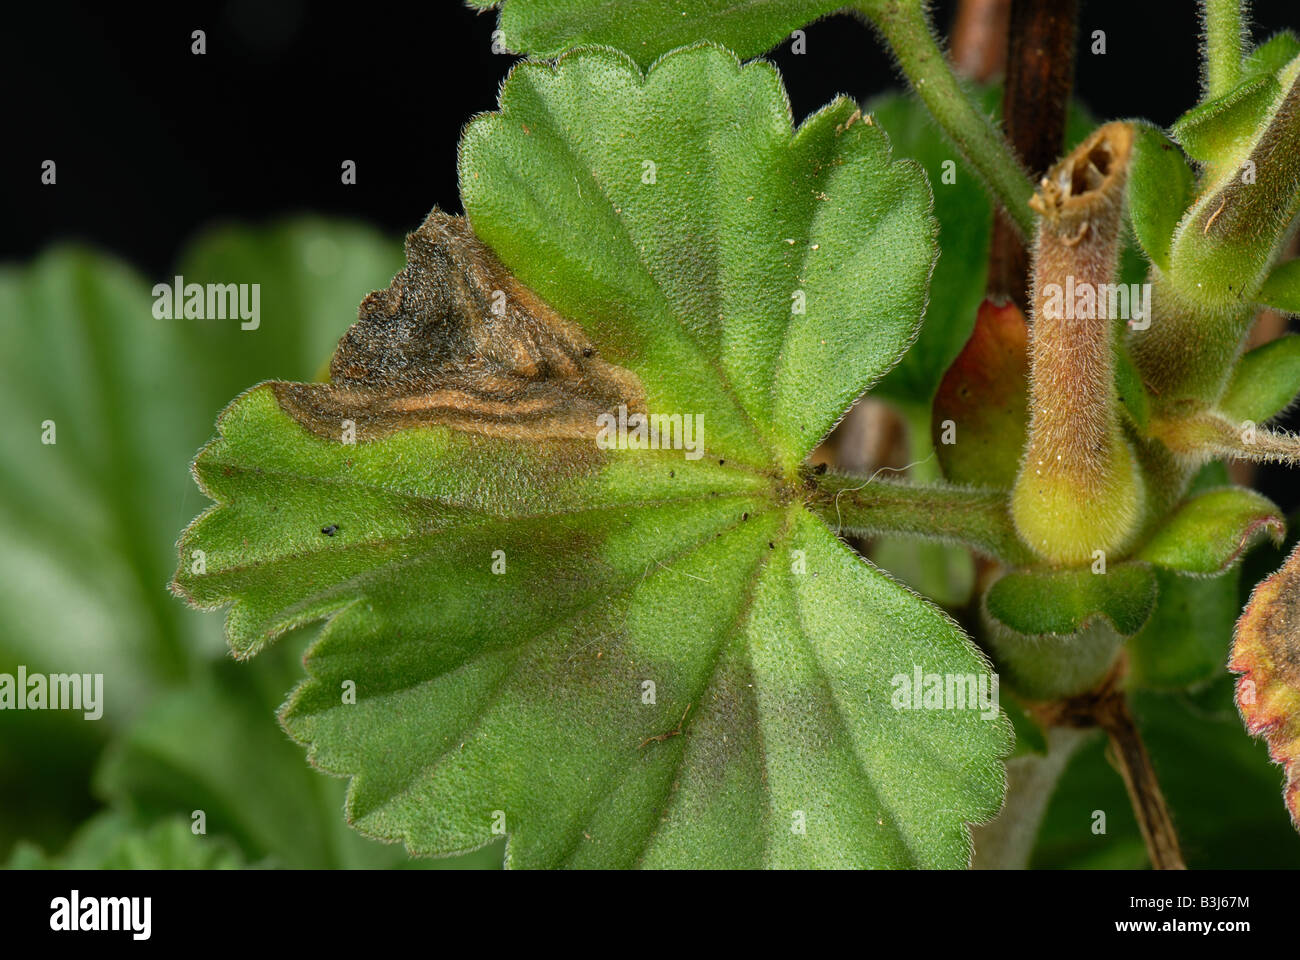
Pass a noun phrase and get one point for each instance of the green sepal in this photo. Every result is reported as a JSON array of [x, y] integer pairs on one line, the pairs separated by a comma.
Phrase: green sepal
[[1281, 290], [1216, 130], [1208, 533], [1056, 633], [1271, 56], [1226, 245], [1161, 187], [1265, 381], [1039, 602]]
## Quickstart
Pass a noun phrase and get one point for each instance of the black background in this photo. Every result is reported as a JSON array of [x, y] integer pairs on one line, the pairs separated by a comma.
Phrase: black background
[[154, 143]]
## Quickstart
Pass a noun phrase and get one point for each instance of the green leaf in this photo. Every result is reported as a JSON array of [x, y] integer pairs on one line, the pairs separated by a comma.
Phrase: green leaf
[[1271, 56], [646, 29], [674, 662], [306, 268], [1036, 602], [1161, 186], [112, 841], [1264, 382], [89, 521], [1281, 290], [1185, 643], [772, 213], [1217, 130], [1208, 533]]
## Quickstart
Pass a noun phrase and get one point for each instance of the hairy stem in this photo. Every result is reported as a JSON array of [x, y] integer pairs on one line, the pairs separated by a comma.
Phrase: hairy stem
[[907, 31], [1210, 435], [1225, 34], [866, 507]]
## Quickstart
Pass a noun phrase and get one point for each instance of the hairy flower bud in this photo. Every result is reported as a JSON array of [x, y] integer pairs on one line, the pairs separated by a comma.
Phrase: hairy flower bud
[[1078, 490]]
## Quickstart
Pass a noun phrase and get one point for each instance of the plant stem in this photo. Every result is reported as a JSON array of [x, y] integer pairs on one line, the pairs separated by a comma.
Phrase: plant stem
[[978, 41], [1224, 36], [1107, 707], [1209, 435], [866, 507], [1039, 77], [906, 29], [1143, 788], [1035, 99]]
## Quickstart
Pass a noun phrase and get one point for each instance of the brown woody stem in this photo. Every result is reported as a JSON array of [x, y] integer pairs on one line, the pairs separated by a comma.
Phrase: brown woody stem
[[1035, 99]]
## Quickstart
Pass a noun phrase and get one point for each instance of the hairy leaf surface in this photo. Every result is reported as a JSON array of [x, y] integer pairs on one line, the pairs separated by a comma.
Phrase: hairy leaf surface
[[615, 656]]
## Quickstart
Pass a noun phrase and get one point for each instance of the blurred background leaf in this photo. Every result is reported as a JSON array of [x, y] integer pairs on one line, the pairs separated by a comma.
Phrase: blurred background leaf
[[215, 746], [1223, 793], [89, 526], [112, 841]]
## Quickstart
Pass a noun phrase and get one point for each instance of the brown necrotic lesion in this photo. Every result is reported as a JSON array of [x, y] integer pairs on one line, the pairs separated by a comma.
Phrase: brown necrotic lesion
[[456, 340]]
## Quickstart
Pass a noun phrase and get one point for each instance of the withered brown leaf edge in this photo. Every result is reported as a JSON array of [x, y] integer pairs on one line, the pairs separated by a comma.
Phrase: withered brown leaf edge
[[456, 340]]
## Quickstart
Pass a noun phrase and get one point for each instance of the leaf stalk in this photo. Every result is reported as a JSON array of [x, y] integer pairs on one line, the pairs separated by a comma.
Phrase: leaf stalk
[[906, 29]]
